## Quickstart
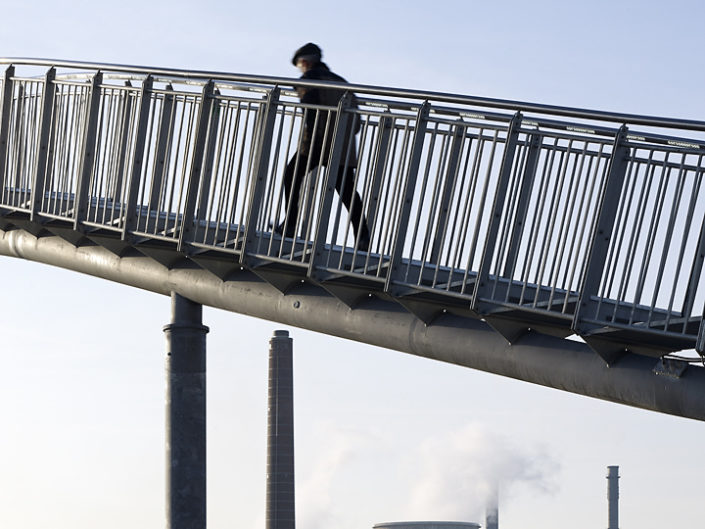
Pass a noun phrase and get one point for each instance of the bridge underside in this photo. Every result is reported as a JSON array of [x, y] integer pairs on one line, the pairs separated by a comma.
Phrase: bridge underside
[[364, 314]]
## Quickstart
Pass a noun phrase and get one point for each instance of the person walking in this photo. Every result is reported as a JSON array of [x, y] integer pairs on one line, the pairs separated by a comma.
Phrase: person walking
[[315, 145]]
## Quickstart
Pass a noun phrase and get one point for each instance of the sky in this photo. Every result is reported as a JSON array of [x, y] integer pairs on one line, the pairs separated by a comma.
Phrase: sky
[[380, 435]]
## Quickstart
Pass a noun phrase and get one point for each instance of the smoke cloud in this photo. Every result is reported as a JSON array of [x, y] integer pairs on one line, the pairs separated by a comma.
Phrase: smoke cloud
[[454, 476]]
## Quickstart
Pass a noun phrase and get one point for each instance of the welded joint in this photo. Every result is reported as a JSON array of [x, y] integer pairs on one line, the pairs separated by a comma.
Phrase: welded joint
[[670, 367]]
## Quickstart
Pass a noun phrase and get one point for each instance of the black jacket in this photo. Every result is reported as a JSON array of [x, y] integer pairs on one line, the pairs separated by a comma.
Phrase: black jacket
[[327, 97]]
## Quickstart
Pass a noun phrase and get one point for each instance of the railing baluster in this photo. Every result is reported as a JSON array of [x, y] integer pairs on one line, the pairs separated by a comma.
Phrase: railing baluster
[[527, 185], [343, 135], [402, 222], [44, 139], [602, 234], [385, 126], [81, 198], [209, 156], [130, 223], [195, 177], [505, 173], [260, 171], [444, 209], [166, 122], [123, 149]]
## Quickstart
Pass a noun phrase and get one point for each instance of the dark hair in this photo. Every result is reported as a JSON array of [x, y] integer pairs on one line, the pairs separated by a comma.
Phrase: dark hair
[[309, 49]]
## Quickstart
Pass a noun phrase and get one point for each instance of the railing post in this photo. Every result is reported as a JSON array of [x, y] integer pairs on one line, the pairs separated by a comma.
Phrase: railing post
[[446, 195], [602, 234], [527, 185], [342, 136], [188, 220], [505, 173], [138, 161], [260, 171], [402, 222], [44, 138], [81, 199], [5, 122]]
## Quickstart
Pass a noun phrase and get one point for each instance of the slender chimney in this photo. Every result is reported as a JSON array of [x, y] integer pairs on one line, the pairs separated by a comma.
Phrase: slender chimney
[[492, 508], [280, 434], [613, 497]]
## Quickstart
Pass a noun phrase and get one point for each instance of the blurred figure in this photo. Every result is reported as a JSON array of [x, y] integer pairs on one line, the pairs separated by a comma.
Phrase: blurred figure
[[315, 147]]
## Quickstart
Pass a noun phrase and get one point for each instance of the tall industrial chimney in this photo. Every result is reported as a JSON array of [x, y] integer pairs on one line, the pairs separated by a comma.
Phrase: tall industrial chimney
[[280, 434], [492, 508], [613, 497]]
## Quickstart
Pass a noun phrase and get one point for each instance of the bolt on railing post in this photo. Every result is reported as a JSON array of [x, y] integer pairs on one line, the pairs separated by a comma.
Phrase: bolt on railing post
[[402, 222], [138, 162], [5, 122], [88, 154], [602, 232], [260, 171], [342, 136], [527, 185], [446, 195], [45, 120], [196, 174], [505, 173]]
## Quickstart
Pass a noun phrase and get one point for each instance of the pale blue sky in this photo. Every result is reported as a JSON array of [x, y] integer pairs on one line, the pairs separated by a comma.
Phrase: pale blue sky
[[380, 436]]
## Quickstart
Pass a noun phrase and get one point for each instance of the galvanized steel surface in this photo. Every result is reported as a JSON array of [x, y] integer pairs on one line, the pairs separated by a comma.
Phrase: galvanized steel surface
[[538, 358], [593, 225]]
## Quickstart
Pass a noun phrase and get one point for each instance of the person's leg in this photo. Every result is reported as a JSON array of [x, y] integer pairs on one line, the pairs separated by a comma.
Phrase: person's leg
[[345, 185], [293, 180]]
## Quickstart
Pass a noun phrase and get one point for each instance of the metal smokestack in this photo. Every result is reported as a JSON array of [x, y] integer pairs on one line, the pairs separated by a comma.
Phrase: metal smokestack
[[280, 434], [613, 497], [492, 509]]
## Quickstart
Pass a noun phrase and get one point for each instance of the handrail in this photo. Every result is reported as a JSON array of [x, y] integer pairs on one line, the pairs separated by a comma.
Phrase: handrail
[[505, 104]]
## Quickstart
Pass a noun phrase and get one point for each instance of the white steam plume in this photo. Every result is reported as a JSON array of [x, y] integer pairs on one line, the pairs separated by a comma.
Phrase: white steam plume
[[455, 475]]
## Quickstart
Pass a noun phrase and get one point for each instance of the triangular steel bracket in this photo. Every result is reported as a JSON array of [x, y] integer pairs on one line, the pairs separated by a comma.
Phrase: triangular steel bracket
[[70, 235], [423, 310], [282, 281], [671, 367], [221, 268], [112, 244], [32, 227], [164, 256], [611, 352], [5, 224], [347, 295], [511, 330]]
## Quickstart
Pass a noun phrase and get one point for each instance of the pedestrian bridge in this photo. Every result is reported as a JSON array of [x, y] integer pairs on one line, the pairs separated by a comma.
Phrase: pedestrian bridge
[[560, 246]]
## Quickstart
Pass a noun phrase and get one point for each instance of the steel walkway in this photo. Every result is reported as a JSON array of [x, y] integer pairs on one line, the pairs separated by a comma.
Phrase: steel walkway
[[522, 216]]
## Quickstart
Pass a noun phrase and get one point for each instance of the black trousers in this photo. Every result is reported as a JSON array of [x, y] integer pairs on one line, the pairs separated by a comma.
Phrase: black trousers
[[294, 177]]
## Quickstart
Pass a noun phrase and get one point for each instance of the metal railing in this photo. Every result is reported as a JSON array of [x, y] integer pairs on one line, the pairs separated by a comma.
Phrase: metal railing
[[570, 218]]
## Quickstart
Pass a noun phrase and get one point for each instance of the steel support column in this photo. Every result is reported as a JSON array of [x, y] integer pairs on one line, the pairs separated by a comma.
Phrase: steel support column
[[280, 434], [186, 415]]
